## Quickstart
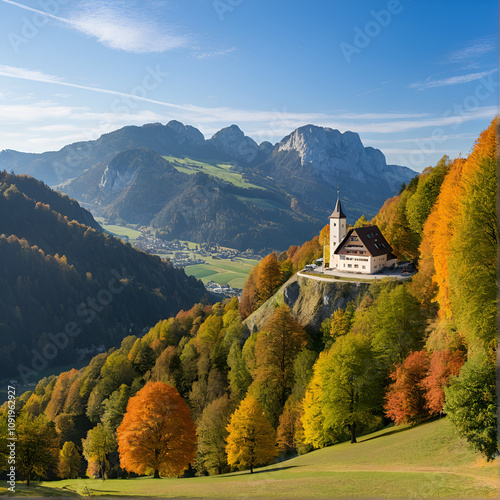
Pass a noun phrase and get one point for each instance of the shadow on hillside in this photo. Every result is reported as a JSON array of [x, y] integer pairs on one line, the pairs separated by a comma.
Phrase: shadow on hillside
[[396, 430], [275, 469]]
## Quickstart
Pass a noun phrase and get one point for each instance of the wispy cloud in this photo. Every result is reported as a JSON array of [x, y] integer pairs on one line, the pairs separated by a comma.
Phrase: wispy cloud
[[472, 51], [118, 26], [215, 53], [454, 80]]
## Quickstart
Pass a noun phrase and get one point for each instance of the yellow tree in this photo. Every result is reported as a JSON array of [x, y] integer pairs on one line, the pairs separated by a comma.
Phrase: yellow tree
[[69, 461], [251, 440], [268, 276], [157, 434]]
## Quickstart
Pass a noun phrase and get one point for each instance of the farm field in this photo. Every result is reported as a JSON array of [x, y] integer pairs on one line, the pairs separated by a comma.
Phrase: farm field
[[221, 170], [222, 271], [425, 461]]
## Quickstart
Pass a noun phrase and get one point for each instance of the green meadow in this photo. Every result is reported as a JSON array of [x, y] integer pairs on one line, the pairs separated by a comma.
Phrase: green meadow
[[221, 170], [222, 271], [424, 461]]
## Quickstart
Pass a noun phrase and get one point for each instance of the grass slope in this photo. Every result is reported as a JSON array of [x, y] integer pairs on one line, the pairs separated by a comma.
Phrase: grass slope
[[221, 170], [399, 462]]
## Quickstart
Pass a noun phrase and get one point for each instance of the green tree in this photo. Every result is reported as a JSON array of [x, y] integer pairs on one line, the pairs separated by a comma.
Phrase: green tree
[[420, 204], [251, 440], [69, 461], [212, 434], [98, 444], [37, 449], [471, 404], [399, 325], [352, 390]]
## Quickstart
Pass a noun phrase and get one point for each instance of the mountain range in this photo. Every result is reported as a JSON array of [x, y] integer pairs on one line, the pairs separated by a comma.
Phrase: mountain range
[[227, 189]]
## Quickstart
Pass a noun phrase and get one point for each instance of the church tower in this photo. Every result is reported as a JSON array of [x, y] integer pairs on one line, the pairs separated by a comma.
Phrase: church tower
[[338, 229]]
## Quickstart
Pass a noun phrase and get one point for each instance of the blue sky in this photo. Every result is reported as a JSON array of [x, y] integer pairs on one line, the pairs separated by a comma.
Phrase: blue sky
[[415, 78]]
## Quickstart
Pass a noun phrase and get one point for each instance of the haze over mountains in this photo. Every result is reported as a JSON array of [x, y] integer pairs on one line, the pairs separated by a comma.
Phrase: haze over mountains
[[227, 189]]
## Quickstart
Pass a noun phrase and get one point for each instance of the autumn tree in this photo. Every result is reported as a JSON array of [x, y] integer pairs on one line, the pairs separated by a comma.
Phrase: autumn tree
[[268, 276], [471, 404], [279, 342], [251, 440], [37, 448], [361, 222], [442, 366], [288, 431], [69, 461], [98, 444], [473, 260], [157, 434], [212, 434], [406, 397], [250, 294]]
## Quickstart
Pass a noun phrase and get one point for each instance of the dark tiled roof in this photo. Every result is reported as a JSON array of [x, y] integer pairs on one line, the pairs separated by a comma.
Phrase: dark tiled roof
[[337, 213], [370, 237]]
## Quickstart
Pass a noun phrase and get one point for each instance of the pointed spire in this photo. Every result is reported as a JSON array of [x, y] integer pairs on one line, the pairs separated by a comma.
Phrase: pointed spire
[[338, 213]]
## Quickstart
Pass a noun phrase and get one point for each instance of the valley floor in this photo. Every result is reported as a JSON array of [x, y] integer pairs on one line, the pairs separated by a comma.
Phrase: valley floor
[[425, 461]]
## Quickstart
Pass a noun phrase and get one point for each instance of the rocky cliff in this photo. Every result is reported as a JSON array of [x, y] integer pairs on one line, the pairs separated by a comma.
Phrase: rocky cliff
[[310, 301]]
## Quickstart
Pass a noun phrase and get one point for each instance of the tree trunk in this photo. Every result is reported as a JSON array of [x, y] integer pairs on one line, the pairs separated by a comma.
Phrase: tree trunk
[[353, 432], [251, 469], [157, 474], [28, 478]]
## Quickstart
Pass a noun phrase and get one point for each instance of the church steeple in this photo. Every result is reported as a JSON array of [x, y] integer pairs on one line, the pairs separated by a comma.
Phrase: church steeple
[[338, 213], [338, 228]]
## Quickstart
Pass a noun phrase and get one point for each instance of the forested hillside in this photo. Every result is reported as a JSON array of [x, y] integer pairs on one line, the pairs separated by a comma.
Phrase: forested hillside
[[400, 352], [61, 273]]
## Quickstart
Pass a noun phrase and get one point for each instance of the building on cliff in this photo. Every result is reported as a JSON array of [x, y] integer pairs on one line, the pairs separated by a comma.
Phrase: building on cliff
[[358, 250]]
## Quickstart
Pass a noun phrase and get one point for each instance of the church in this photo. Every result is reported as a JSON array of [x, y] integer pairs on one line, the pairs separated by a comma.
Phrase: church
[[358, 250]]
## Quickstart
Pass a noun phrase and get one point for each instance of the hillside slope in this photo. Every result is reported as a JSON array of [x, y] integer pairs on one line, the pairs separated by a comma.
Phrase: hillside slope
[[398, 462], [62, 272]]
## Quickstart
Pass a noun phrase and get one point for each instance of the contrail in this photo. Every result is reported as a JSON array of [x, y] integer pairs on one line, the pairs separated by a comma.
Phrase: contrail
[[31, 9], [9, 72]]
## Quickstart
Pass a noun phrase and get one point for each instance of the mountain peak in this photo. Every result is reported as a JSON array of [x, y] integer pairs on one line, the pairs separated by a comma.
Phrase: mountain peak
[[233, 142]]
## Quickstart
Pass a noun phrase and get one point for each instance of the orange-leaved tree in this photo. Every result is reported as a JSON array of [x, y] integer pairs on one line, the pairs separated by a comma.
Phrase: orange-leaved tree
[[405, 399], [157, 434], [251, 440], [443, 364]]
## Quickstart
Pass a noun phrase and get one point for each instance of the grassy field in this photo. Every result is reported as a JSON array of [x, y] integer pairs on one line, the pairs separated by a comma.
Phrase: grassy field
[[221, 170], [425, 461], [222, 271]]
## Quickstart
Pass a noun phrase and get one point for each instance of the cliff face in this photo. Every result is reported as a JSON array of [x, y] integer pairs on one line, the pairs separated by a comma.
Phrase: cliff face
[[310, 301]]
